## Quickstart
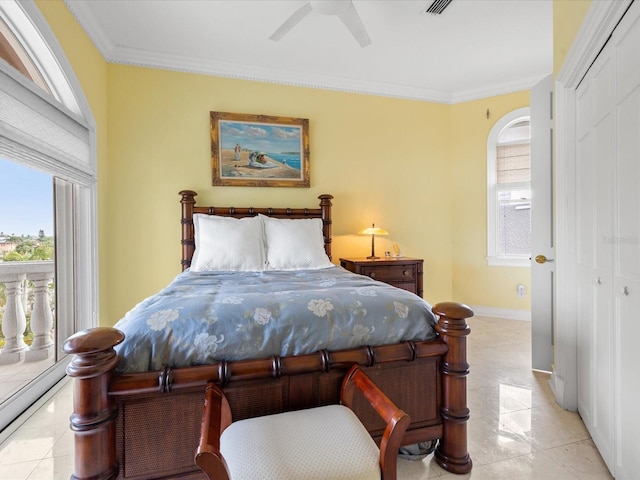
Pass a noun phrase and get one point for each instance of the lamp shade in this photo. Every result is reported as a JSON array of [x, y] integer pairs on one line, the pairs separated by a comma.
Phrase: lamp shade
[[373, 231]]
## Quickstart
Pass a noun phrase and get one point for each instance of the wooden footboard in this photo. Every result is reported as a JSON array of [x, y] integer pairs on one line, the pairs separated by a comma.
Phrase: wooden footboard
[[147, 425]]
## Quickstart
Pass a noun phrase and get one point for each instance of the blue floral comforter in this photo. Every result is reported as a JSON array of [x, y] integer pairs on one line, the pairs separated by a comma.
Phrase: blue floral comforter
[[204, 317]]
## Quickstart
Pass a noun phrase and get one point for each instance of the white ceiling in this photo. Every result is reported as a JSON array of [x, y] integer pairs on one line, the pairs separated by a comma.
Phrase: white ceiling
[[475, 49]]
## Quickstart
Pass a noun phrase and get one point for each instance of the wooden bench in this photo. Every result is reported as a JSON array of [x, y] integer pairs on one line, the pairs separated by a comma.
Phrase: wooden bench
[[326, 442]]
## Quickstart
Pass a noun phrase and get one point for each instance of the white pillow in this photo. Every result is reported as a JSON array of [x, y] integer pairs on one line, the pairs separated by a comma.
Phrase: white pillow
[[226, 243], [294, 244]]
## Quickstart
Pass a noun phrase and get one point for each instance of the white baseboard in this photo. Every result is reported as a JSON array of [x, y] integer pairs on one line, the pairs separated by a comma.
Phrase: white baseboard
[[510, 314]]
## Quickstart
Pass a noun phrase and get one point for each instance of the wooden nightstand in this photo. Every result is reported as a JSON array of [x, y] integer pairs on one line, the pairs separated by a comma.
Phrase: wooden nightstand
[[401, 272]]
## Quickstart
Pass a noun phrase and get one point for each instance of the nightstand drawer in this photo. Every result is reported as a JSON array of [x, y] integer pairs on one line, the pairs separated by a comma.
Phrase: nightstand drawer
[[391, 274], [401, 272]]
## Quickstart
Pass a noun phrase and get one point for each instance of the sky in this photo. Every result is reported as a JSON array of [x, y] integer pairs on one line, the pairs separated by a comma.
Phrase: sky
[[26, 200], [260, 136]]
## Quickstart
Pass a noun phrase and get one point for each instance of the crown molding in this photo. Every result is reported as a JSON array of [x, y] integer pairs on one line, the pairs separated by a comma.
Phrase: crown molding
[[91, 27], [284, 77], [179, 63], [495, 90], [201, 66]]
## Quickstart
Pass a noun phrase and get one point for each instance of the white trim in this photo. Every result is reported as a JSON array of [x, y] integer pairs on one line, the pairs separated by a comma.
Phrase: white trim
[[493, 258], [41, 134], [508, 261], [55, 134], [565, 372], [71, 105], [20, 17], [509, 314], [85, 200], [599, 22], [521, 85], [308, 80], [141, 58], [24, 57], [83, 15], [76, 117], [68, 76]]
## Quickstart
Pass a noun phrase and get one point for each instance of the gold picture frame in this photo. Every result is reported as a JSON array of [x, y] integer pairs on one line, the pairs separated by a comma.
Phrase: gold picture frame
[[259, 150]]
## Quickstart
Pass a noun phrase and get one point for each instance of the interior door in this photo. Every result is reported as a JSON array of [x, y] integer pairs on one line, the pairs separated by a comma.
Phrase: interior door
[[600, 292], [626, 243], [608, 245], [542, 242]]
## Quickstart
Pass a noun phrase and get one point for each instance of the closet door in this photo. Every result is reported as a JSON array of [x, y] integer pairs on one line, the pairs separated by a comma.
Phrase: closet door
[[604, 151], [608, 227], [627, 245], [585, 183], [595, 169], [584, 227]]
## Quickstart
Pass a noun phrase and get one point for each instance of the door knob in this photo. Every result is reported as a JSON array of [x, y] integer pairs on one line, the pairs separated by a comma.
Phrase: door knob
[[543, 259]]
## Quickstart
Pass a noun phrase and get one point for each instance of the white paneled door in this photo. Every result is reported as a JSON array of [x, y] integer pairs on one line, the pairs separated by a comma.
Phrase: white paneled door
[[542, 235], [608, 249], [626, 243]]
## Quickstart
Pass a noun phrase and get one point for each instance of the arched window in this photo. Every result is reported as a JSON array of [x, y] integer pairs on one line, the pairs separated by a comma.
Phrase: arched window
[[46, 127], [509, 190], [15, 54]]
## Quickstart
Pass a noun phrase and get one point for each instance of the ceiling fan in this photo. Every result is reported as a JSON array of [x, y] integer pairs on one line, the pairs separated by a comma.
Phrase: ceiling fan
[[344, 9]]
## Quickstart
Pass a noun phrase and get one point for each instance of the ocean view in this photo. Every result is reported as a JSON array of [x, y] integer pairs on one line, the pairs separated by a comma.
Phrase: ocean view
[[292, 159]]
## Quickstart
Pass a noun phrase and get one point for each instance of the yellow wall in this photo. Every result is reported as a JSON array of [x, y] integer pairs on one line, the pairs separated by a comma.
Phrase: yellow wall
[[475, 282], [568, 16], [416, 169], [384, 160]]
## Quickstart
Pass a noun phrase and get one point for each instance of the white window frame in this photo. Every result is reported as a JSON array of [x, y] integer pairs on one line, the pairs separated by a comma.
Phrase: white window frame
[[493, 227], [56, 135]]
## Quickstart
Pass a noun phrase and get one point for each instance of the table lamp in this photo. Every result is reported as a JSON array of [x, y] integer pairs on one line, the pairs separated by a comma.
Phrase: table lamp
[[373, 231]]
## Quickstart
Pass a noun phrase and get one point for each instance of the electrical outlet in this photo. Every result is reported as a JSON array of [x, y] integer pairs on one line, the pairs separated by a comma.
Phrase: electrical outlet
[[521, 290]]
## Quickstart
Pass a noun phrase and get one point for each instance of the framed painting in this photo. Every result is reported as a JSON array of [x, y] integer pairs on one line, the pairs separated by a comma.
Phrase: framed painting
[[259, 150]]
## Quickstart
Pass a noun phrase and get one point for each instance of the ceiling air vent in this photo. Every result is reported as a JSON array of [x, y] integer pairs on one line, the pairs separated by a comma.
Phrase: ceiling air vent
[[437, 7]]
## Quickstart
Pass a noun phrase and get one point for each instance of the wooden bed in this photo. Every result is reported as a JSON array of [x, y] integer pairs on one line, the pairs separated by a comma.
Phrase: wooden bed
[[147, 425]]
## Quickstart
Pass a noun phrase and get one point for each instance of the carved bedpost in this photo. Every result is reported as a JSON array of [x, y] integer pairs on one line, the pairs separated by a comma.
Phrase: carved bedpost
[[188, 236], [325, 206], [93, 418], [452, 453]]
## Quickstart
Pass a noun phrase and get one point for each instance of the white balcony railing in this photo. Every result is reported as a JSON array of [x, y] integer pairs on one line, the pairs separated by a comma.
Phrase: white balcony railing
[[16, 276]]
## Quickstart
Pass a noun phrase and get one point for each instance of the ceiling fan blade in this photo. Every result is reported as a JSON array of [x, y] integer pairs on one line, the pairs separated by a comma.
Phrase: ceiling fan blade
[[292, 21], [351, 19]]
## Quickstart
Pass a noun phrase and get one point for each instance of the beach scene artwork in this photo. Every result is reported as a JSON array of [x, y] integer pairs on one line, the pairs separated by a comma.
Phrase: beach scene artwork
[[254, 150]]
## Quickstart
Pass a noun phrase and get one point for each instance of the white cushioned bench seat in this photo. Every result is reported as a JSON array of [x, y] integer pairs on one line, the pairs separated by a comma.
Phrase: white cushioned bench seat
[[313, 444], [319, 443]]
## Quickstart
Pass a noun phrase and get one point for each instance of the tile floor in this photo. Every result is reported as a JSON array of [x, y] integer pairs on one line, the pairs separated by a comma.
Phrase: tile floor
[[14, 376], [516, 429]]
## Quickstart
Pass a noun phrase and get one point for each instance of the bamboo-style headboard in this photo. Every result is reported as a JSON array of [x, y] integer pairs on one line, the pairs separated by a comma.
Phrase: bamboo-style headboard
[[189, 208]]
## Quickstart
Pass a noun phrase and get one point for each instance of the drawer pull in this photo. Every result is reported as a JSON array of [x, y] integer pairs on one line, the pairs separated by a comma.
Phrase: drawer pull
[[406, 273], [372, 274]]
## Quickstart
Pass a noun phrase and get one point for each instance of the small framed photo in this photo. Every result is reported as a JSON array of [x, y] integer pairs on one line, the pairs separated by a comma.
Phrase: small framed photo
[[259, 150]]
